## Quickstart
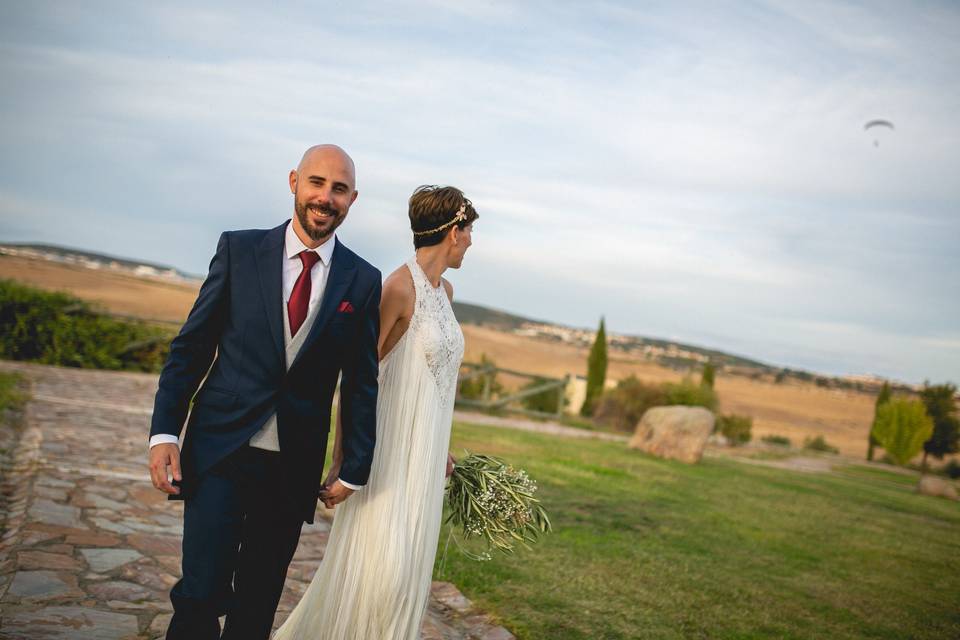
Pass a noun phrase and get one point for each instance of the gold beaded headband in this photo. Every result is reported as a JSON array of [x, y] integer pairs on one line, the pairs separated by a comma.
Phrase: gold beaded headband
[[461, 215]]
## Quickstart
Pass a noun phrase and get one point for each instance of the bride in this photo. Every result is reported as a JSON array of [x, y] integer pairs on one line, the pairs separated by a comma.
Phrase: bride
[[375, 576]]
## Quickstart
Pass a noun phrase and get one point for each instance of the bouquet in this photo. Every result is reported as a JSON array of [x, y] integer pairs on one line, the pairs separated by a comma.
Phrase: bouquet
[[490, 499]]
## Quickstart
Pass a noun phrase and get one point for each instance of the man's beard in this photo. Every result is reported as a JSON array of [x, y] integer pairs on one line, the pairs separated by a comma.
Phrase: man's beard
[[317, 233]]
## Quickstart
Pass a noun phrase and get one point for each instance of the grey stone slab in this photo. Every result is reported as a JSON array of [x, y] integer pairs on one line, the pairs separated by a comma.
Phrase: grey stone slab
[[40, 585], [102, 502], [50, 512], [52, 493], [120, 590], [75, 623], [110, 525], [49, 481], [115, 493], [104, 560]]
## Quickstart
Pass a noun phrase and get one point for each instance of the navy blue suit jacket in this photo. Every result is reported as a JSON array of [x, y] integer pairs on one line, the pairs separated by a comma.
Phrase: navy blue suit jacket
[[235, 331]]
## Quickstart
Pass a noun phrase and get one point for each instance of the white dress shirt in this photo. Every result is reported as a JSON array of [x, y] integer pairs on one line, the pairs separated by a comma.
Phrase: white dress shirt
[[266, 437]]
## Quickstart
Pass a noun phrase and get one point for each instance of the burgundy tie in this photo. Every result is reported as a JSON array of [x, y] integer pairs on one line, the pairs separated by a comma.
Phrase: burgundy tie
[[300, 298]]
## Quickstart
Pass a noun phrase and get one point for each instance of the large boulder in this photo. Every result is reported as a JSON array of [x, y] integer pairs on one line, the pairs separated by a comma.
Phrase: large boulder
[[939, 487], [678, 432]]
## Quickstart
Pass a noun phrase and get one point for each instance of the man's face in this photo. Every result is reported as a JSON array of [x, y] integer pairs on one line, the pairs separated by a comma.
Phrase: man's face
[[323, 190]]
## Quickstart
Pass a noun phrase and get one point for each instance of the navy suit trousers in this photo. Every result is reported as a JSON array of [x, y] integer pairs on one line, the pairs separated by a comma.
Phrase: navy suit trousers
[[239, 536]]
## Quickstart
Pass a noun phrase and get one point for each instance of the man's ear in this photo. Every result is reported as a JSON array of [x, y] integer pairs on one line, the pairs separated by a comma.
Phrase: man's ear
[[353, 198], [454, 234], [293, 181]]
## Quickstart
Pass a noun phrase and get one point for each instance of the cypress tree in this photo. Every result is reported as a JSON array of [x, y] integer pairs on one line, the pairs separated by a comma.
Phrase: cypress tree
[[596, 370], [709, 375]]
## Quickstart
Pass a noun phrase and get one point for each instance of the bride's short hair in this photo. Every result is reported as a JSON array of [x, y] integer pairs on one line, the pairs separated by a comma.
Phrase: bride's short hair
[[434, 210]]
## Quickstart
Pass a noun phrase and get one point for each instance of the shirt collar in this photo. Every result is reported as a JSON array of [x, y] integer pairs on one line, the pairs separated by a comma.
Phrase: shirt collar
[[293, 245]]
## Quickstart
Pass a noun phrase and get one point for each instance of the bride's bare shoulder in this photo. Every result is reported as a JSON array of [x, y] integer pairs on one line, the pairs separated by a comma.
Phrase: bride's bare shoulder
[[398, 287]]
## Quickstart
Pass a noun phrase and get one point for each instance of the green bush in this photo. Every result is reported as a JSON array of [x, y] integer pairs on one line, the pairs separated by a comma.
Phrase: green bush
[[545, 401], [623, 406], [55, 328], [472, 389], [736, 429], [780, 441], [686, 392], [819, 444]]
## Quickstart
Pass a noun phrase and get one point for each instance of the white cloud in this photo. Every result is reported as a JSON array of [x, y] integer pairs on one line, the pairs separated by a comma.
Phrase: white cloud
[[702, 179]]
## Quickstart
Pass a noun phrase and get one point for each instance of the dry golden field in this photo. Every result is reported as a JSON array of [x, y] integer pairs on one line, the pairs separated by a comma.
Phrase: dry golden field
[[790, 409], [793, 410], [116, 292]]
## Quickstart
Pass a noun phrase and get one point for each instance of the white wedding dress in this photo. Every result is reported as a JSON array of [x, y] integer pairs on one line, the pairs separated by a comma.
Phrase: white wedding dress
[[374, 580]]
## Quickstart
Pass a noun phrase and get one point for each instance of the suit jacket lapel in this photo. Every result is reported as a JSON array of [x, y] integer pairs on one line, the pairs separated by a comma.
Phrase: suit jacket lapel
[[342, 270], [270, 269]]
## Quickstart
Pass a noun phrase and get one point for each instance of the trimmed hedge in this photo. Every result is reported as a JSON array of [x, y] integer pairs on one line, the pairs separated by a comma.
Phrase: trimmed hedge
[[56, 328]]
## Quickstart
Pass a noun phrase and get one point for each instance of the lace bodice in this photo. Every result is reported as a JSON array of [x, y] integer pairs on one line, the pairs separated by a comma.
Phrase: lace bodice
[[435, 327]]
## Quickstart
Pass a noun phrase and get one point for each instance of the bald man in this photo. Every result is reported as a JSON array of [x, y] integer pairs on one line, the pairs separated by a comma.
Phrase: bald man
[[281, 315]]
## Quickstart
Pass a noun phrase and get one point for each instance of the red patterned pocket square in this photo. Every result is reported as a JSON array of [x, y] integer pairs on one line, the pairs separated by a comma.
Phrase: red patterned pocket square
[[345, 307]]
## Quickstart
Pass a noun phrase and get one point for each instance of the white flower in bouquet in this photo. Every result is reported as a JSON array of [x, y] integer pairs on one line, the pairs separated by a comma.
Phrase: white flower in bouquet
[[492, 500]]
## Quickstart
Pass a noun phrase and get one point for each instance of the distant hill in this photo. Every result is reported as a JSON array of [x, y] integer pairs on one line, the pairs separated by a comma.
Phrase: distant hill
[[95, 260], [667, 352], [487, 317], [676, 355]]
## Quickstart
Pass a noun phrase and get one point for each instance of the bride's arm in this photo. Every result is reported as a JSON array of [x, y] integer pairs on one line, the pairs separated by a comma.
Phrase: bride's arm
[[337, 455], [396, 309], [451, 461]]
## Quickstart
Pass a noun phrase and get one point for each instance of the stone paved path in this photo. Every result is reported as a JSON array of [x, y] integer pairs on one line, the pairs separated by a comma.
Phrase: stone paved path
[[89, 549]]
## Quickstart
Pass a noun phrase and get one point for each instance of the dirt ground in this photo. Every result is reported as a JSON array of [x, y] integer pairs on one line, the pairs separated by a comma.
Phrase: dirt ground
[[792, 409]]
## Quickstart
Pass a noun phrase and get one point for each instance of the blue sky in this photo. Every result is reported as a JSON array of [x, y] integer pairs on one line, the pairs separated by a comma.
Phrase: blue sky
[[694, 171]]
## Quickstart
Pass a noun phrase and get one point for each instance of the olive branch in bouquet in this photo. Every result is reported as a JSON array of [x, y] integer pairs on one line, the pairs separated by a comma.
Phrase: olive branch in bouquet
[[492, 500]]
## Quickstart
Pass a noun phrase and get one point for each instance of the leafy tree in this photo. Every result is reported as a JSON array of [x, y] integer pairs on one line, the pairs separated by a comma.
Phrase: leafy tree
[[939, 402], [691, 394], [708, 375], [902, 427], [882, 398], [596, 370]]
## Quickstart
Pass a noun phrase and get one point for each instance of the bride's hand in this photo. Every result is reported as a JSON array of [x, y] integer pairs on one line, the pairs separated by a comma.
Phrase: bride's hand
[[451, 462]]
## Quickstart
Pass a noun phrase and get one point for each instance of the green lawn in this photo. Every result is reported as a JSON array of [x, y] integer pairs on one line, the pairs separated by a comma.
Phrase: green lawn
[[646, 548]]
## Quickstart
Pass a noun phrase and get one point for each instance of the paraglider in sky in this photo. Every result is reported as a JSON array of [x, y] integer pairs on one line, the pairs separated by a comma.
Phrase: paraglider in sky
[[877, 126]]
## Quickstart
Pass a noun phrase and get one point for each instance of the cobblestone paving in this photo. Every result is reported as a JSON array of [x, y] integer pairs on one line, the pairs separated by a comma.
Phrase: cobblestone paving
[[89, 549]]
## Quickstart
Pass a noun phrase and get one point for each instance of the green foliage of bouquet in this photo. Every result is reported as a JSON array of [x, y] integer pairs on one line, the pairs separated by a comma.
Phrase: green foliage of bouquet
[[489, 499]]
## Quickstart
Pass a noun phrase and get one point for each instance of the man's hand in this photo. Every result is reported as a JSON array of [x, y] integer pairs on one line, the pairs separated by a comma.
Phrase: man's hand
[[334, 494], [451, 462], [163, 456], [332, 475]]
